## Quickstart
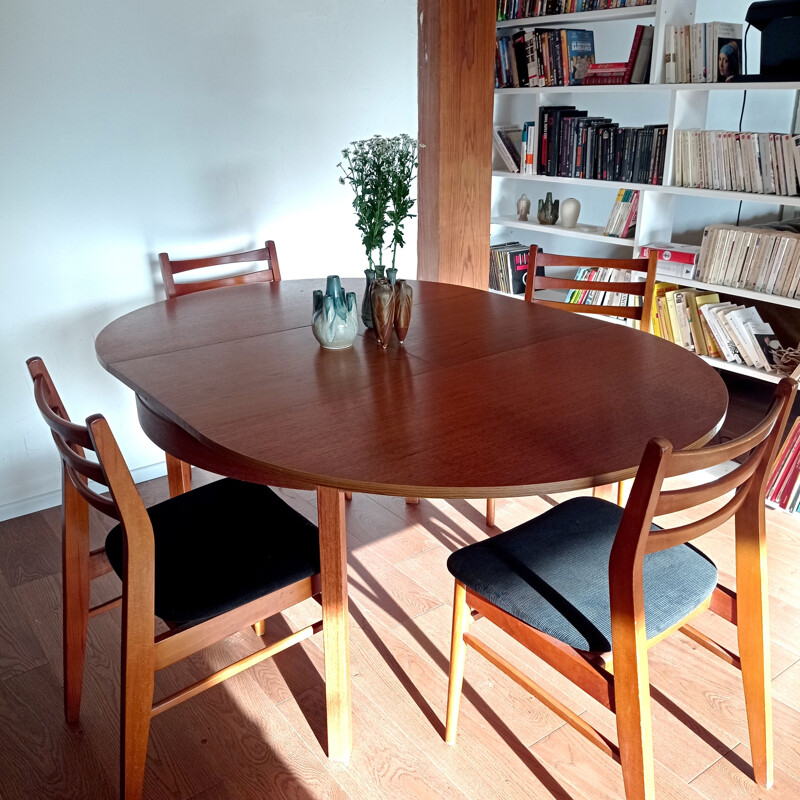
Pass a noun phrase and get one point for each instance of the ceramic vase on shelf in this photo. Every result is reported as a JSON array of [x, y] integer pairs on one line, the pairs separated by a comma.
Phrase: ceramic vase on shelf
[[547, 211], [570, 209], [335, 317], [403, 296], [382, 295], [366, 303]]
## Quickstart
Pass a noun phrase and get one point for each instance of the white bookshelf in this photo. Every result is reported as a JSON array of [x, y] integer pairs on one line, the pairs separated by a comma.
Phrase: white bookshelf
[[662, 208]]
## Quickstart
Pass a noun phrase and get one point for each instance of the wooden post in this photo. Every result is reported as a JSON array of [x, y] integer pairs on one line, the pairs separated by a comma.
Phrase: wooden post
[[456, 96]]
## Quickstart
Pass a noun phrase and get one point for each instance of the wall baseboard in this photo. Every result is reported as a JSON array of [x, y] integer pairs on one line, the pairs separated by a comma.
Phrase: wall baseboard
[[29, 505]]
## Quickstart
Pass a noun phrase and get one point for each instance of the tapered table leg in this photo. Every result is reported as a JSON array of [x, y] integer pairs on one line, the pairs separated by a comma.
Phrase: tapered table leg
[[335, 631]]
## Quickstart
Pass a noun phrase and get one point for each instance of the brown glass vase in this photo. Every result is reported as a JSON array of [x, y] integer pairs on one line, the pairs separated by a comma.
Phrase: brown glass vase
[[382, 298], [403, 296]]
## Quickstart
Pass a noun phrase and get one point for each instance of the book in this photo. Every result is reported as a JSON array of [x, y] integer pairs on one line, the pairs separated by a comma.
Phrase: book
[[710, 340], [508, 140], [637, 43], [579, 54], [726, 44], [640, 73]]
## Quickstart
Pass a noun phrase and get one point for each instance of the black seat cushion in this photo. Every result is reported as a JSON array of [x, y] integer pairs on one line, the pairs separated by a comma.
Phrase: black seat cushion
[[552, 573], [223, 545]]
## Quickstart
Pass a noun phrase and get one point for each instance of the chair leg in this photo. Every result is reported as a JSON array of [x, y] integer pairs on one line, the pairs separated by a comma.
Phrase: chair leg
[[606, 492], [634, 719], [179, 475], [490, 508], [753, 634], [136, 700], [75, 595], [458, 654], [412, 501], [348, 495], [260, 627]]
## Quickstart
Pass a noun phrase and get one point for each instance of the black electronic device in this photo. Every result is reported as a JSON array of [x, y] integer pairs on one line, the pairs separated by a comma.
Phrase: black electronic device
[[779, 23]]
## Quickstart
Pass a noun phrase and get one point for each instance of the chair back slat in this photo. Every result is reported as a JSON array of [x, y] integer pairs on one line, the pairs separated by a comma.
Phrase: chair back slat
[[102, 504], [170, 268], [82, 467], [538, 280], [629, 312], [692, 460], [674, 500], [71, 441], [747, 481], [670, 537]]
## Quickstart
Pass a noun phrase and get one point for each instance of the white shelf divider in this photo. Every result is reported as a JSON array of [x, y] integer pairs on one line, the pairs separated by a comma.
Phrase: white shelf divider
[[591, 233], [631, 88], [717, 194], [743, 369], [773, 299], [583, 17]]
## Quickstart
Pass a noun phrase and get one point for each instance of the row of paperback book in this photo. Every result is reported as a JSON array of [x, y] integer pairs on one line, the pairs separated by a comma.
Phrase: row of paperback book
[[783, 485], [543, 57], [700, 322], [759, 259], [706, 52], [572, 144], [763, 163], [600, 297], [622, 220], [522, 9], [508, 267]]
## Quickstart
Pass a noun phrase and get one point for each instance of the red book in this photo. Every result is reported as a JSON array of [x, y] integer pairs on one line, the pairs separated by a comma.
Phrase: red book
[[779, 487], [637, 43]]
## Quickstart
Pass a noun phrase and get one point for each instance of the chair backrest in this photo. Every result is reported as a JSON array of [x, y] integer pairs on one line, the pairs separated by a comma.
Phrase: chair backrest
[[124, 503], [633, 278], [169, 268], [747, 481]]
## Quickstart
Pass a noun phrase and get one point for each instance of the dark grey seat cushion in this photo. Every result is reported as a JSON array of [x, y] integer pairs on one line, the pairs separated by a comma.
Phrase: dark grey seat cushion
[[552, 573], [223, 545]]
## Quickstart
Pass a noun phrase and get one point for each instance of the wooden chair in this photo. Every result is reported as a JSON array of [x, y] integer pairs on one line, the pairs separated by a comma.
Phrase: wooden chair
[[219, 569], [537, 281], [577, 584], [179, 473]]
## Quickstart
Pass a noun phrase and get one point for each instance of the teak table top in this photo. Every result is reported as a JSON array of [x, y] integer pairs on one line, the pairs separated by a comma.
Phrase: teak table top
[[488, 396]]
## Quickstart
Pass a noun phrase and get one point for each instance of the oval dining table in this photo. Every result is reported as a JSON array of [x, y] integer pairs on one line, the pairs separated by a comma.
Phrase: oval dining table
[[487, 397]]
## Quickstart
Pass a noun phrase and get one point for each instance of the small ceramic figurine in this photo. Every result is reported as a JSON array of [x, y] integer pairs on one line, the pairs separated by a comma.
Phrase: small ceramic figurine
[[523, 207], [335, 318], [570, 209], [547, 212]]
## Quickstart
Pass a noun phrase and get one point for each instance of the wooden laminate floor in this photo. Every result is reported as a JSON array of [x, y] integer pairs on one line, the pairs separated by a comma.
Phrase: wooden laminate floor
[[262, 734]]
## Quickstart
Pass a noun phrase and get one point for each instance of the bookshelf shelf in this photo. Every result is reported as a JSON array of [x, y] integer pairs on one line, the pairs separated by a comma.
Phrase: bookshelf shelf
[[717, 194], [773, 299], [591, 233], [582, 18], [743, 369], [636, 88]]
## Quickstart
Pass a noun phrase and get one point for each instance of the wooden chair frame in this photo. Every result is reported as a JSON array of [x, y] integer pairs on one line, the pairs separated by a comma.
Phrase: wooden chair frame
[[621, 683], [537, 280], [142, 653]]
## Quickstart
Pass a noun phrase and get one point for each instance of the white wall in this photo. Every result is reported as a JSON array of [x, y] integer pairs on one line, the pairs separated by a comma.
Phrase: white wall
[[191, 126]]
